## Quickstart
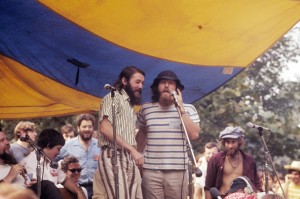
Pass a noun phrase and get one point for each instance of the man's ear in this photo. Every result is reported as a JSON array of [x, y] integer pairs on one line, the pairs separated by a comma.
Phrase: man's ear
[[124, 81]]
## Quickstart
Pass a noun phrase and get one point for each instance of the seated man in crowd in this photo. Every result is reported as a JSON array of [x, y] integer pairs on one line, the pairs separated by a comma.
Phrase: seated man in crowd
[[15, 174], [50, 142], [19, 148]]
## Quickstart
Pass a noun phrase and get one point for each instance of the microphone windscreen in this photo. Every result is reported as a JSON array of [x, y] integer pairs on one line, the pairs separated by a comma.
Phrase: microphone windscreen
[[23, 139], [214, 192], [53, 165]]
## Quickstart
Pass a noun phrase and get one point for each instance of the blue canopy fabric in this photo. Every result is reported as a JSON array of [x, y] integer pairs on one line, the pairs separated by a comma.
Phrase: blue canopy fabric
[[40, 51]]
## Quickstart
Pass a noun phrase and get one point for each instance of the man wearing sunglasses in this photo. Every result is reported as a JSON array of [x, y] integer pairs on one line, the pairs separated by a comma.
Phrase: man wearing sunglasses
[[70, 165]]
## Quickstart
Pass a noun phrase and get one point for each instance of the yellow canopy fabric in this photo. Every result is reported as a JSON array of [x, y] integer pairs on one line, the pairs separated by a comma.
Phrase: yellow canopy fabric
[[195, 38], [199, 32], [27, 94]]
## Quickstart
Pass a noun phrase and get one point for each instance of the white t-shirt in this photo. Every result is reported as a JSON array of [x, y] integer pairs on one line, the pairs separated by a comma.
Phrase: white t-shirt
[[19, 180], [200, 181], [57, 176]]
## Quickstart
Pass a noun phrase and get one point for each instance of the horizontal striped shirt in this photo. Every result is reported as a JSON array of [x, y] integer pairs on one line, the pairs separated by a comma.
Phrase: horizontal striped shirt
[[166, 143], [125, 117]]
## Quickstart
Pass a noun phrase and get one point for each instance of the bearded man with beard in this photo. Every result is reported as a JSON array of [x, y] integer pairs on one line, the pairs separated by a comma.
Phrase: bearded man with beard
[[85, 148], [161, 134], [230, 163], [128, 93], [11, 171]]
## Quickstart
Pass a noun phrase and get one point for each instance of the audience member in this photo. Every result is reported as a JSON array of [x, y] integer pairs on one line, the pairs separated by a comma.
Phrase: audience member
[[50, 142], [68, 131], [230, 163], [241, 188], [210, 149], [11, 171], [71, 166], [270, 186], [20, 149], [85, 148], [11, 191], [16, 174], [291, 187]]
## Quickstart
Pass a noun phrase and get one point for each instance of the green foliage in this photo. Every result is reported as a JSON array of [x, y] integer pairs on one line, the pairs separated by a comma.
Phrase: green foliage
[[258, 94]]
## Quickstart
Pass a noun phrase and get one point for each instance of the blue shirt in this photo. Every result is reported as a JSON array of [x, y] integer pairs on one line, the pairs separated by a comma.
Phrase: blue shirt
[[88, 160]]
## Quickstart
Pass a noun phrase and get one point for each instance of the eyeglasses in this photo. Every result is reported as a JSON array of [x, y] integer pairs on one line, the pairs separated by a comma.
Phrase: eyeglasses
[[75, 170]]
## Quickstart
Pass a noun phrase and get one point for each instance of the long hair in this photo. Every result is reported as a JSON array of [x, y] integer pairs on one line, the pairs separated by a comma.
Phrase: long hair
[[127, 73]]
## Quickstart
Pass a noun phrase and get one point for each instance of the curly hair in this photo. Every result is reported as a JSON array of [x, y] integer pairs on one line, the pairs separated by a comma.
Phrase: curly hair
[[85, 116], [66, 161]]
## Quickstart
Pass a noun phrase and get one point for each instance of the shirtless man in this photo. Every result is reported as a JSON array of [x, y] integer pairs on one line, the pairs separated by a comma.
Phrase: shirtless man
[[230, 163]]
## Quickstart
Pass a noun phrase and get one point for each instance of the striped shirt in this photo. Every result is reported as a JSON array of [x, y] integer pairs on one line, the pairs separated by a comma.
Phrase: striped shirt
[[125, 117], [166, 143]]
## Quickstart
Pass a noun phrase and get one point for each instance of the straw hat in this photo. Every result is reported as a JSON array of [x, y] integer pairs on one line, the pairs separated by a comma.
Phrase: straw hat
[[294, 166]]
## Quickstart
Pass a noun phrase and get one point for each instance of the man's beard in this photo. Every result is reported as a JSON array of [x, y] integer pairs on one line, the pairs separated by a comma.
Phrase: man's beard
[[166, 99], [8, 158], [232, 152], [81, 134], [134, 100]]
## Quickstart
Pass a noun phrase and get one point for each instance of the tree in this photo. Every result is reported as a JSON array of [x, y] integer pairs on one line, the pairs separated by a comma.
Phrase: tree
[[258, 94]]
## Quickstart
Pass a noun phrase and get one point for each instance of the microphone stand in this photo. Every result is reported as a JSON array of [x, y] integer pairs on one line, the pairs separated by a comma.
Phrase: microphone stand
[[115, 157], [39, 153], [267, 157], [190, 154]]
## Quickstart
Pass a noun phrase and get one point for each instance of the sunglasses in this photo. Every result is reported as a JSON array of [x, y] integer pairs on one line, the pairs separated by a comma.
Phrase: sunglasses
[[75, 170]]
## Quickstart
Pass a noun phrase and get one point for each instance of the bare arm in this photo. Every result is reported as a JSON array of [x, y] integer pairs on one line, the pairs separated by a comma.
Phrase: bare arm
[[207, 195], [74, 188], [14, 171], [107, 130]]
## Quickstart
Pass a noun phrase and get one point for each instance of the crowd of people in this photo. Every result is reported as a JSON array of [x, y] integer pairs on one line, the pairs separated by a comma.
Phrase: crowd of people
[[135, 155]]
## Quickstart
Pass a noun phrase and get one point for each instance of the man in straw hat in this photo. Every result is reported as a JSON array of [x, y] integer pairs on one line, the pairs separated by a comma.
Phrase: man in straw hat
[[291, 186]]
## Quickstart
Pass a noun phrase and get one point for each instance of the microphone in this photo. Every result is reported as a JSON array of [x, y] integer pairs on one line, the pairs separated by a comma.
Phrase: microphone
[[174, 94], [198, 172], [53, 164], [251, 125], [214, 192], [109, 87], [24, 139]]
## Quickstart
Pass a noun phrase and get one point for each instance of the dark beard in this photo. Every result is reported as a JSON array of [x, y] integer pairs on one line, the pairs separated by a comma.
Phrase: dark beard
[[85, 138], [8, 158], [133, 99], [232, 155]]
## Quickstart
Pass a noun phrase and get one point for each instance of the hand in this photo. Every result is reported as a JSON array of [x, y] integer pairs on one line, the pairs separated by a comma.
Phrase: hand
[[15, 170], [138, 158], [287, 178], [180, 101]]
